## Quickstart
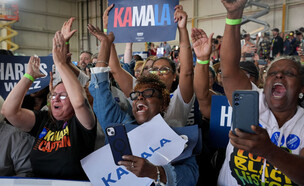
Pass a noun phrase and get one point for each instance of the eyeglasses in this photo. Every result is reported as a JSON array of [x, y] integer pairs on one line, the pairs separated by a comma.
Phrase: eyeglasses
[[62, 95], [162, 70], [148, 93]]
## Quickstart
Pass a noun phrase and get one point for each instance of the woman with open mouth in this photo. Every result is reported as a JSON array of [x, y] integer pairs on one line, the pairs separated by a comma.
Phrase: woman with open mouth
[[66, 133], [273, 154], [150, 97]]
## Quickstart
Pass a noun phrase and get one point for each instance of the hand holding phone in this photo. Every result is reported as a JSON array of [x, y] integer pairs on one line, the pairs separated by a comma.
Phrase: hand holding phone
[[245, 110], [119, 142]]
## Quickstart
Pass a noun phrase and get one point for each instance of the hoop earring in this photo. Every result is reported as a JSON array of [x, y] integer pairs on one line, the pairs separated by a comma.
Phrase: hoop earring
[[301, 95]]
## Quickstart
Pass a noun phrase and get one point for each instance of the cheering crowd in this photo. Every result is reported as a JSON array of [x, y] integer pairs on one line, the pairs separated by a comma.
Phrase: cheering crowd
[[46, 134]]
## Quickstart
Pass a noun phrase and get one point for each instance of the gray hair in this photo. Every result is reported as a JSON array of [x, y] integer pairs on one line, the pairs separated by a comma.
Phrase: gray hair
[[294, 59]]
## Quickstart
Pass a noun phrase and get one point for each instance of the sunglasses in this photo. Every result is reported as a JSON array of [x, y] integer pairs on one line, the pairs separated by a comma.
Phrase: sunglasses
[[162, 70], [148, 93], [62, 96]]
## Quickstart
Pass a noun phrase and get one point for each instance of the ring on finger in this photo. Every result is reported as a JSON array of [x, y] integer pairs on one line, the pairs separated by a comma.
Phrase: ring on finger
[[132, 165]]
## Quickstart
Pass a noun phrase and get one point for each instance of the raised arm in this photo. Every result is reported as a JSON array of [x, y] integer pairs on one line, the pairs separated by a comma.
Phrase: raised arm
[[128, 53], [67, 33], [76, 93], [106, 108], [233, 77], [122, 77], [185, 56], [105, 17], [202, 47], [11, 109]]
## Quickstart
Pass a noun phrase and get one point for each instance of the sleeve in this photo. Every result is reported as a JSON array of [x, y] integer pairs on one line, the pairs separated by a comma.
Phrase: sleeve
[[39, 119], [83, 78], [182, 173], [21, 147], [105, 107]]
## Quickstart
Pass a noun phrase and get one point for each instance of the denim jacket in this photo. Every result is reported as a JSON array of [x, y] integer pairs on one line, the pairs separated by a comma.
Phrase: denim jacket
[[183, 172]]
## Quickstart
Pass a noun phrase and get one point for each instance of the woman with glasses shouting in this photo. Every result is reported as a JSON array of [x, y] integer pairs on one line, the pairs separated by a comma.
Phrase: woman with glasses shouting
[[66, 133], [150, 97], [182, 97]]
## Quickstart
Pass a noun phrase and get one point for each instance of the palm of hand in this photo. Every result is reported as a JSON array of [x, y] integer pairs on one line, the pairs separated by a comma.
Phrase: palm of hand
[[201, 47], [35, 70]]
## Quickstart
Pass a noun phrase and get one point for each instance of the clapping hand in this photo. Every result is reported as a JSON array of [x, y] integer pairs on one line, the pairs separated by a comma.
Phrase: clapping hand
[[33, 67], [66, 29], [60, 54], [100, 35]]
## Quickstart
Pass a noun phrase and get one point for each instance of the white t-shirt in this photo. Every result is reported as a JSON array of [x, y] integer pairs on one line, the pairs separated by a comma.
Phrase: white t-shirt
[[241, 168], [177, 111]]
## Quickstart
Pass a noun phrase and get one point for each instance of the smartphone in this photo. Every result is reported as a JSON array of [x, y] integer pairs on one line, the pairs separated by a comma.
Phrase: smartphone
[[119, 142], [245, 110]]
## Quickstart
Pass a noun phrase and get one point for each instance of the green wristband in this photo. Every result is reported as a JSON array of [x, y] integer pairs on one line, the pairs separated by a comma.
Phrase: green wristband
[[105, 30], [233, 21], [29, 77], [203, 62]]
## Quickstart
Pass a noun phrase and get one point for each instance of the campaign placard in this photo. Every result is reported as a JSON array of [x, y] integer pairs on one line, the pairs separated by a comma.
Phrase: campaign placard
[[12, 69], [142, 20], [220, 121], [160, 149]]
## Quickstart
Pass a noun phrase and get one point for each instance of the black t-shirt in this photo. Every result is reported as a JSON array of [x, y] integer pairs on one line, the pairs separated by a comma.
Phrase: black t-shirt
[[59, 146]]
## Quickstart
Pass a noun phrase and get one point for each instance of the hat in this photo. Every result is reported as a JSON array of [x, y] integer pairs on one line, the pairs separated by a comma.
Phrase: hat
[[276, 30], [250, 68]]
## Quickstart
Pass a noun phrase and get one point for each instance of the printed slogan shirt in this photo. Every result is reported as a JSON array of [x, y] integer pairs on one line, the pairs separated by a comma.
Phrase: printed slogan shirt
[[59, 146], [243, 168]]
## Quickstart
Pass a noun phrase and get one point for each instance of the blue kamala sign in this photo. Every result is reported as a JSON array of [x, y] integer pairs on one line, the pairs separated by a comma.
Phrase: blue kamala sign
[[142, 20]]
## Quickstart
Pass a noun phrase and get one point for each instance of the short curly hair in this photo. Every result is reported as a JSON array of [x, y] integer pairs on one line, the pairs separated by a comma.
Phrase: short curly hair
[[153, 81]]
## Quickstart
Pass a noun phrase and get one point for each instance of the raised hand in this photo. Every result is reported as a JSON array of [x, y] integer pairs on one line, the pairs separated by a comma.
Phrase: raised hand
[[234, 7], [33, 67], [66, 29], [105, 16], [202, 45], [100, 35], [60, 54], [180, 16]]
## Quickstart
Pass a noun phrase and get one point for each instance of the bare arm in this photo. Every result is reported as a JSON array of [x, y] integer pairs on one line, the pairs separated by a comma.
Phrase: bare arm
[[259, 144], [185, 56], [76, 93], [233, 76], [11, 109], [122, 77], [128, 53], [203, 47]]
